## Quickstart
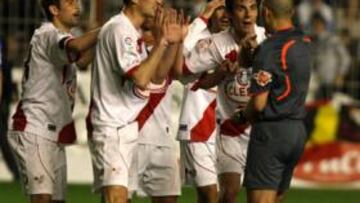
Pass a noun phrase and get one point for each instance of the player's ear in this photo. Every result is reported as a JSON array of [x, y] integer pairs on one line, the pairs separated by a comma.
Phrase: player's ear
[[54, 10]]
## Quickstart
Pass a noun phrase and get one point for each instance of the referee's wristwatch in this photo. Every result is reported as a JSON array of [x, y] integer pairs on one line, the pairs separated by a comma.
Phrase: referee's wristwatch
[[239, 117]]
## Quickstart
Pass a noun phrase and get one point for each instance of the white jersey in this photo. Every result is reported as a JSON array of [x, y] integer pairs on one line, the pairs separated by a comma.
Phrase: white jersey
[[197, 31], [232, 91], [155, 118], [120, 49], [198, 118], [49, 85]]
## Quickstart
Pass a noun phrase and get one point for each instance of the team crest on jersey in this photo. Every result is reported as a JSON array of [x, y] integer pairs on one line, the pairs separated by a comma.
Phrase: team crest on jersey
[[203, 44], [128, 42], [237, 87], [263, 78]]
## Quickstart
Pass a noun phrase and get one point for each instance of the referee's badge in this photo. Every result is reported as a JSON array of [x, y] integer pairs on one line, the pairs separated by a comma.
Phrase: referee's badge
[[263, 78]]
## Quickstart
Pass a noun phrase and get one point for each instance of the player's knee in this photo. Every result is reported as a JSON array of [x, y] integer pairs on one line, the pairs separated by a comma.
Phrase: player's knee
[[231, 192], [280, 197], [207, 194], [115, 194]]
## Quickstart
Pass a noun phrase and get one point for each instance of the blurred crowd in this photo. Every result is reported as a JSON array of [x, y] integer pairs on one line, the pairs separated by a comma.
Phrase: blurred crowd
[[333, 25]]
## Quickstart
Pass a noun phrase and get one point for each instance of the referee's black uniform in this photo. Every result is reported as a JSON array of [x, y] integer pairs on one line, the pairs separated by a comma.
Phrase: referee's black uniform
[[282, 67]]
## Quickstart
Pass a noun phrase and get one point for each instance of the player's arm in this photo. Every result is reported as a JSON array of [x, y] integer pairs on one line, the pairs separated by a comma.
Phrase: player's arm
[[167, 37], [174, 27], [86, 58], [200, 24], [143, 74], [84, 42], [260, 87], [255, 106]]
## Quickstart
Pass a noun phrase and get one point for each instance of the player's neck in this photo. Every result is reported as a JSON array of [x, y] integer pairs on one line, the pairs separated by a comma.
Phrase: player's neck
[[60, 26], [282, 24], [134, 16]]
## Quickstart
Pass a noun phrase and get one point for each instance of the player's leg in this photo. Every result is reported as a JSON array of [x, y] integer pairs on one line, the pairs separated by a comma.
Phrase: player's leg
[[199, 163], [207, 194], [280, 196], [60, 172], [114, 194], [229, 187], [261, 196], [112, 151], [38, 161], [232, 152], [159, 173]]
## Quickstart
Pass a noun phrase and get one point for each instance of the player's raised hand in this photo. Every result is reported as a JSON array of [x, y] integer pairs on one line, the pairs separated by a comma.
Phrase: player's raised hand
[[211, 8], [249, 42], [185, 22], [157, 29], [229, 67], [171, 27]]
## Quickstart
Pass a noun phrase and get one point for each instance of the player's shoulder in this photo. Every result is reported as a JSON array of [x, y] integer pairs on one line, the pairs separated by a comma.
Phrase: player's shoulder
[[224, 42], [115, 26], [223, 38], [47, 33]]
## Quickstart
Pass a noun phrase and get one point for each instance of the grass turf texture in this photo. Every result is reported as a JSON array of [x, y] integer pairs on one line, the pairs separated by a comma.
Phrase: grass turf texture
[[11, 193]]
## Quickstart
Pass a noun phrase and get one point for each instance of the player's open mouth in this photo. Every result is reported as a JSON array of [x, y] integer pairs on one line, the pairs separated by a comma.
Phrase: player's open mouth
[[225, 21], [247, 23], [76, 15]]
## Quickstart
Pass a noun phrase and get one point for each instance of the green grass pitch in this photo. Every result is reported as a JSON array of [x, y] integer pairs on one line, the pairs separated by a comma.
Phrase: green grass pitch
[[11, 193]]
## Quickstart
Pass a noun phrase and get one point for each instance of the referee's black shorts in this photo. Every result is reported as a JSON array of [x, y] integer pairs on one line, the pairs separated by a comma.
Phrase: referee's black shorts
[[274, 150]]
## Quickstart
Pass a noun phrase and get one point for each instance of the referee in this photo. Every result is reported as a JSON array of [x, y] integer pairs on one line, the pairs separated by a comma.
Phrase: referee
[[279, 88]]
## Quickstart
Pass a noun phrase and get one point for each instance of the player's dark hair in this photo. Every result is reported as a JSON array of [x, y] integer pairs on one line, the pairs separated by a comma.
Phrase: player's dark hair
[[126, 2], [45, 4], [229, 5]]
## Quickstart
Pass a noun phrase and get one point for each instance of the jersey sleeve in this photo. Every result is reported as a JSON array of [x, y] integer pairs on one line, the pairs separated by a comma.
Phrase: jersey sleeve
[[60, 50], [263, 67], [127, 51], [196, 30], [205, 56]]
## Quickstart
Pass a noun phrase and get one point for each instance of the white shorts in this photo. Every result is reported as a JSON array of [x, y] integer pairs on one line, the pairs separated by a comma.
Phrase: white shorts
[[112, 150], [231, 152], [198, 163], [41, 163], [158, 171]]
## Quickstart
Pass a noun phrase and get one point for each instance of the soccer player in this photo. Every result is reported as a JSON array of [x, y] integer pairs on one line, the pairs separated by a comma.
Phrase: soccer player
[[123, 75], [155, 170], [43, 120], [277, 107], [197, 129], [224, 48]]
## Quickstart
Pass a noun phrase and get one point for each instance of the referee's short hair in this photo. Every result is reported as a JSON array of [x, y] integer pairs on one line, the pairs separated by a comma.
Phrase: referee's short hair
[[280, 8]]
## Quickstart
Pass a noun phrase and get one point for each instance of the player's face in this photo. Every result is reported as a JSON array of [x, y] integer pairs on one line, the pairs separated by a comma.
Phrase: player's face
[[69, 13], [149, 7], [220, 19], [244, 16]]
